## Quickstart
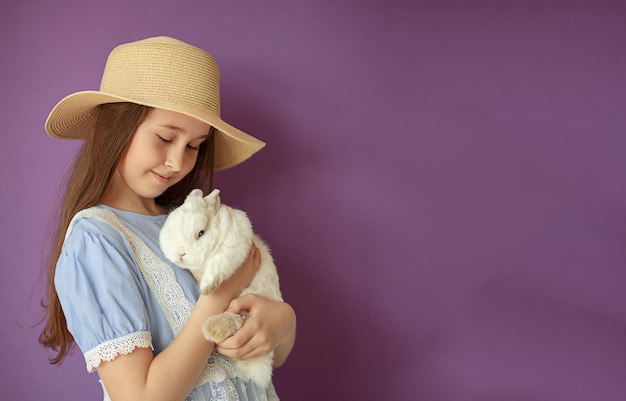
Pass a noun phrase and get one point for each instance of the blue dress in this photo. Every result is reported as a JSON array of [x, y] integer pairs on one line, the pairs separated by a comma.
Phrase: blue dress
[[119, 292]]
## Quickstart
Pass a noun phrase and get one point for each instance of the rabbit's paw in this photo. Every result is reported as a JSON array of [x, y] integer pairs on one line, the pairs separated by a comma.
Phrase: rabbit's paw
[[220, 327]]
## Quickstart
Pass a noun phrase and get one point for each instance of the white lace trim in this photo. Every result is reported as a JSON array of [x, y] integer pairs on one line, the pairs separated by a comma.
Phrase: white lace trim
[[162, 282], [109, 350]]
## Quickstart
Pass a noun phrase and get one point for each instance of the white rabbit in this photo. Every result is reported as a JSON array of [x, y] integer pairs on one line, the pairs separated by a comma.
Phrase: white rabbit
[[213, 239]]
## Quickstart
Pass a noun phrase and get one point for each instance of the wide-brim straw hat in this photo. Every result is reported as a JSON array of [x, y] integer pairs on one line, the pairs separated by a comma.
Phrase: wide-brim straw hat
[[164, 73]]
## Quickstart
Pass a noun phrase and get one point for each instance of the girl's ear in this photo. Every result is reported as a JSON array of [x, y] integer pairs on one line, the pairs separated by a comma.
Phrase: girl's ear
[[212, 200]]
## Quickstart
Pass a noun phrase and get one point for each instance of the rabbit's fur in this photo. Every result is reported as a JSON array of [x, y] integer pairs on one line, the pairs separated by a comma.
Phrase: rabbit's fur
[[212, 239]]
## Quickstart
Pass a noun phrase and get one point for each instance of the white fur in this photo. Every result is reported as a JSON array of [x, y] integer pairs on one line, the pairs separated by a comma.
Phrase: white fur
[[216, 255]]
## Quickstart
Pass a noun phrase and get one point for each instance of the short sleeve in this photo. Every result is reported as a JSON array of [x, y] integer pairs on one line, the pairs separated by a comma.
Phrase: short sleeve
[[102, 293]]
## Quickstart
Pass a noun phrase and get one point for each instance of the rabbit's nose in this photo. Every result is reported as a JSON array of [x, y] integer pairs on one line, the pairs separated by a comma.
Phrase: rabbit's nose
[[181, 253]]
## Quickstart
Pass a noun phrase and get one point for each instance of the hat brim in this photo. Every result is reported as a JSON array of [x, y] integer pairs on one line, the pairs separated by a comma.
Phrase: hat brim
[[72, 117]]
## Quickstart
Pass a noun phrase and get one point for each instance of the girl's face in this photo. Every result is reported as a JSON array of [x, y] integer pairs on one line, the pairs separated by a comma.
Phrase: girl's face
[[163, 150]]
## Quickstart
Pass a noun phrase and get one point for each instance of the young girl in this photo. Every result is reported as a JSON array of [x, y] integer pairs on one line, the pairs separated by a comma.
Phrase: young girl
[[151, 134]]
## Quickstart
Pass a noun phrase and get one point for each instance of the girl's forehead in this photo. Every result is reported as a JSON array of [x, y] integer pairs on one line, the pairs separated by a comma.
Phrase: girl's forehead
[[177, 122]]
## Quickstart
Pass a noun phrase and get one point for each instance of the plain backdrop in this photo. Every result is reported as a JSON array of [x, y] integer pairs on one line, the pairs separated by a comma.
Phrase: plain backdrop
[[443, 187]]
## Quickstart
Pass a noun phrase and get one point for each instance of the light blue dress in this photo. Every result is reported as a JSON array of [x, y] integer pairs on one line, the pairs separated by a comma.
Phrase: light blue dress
[[118, 292]]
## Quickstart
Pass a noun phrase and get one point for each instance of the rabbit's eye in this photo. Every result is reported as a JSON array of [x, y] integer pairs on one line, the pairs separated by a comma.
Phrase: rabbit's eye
[[200, 233]]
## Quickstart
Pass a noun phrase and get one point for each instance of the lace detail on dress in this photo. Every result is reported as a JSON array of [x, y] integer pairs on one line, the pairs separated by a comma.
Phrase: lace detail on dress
[[161, 280], [109, 350]]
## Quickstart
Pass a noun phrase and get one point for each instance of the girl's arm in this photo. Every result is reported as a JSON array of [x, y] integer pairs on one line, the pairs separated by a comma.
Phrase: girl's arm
[[270, 326], [172, 373]]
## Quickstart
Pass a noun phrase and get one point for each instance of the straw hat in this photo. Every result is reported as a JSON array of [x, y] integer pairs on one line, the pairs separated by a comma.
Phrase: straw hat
[[164, 73]]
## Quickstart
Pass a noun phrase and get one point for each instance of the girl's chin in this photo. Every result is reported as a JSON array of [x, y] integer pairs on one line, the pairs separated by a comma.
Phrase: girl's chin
[[152, 193]]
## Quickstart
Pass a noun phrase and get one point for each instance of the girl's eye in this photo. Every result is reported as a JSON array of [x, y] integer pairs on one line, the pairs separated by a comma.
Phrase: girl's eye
[[164, 139], [193, 147], [200, 233]]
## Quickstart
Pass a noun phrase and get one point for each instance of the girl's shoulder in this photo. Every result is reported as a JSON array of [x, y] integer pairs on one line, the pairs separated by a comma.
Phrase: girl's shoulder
[[102, 219], [104, 225], [91, 243], [90, 237], [95, 221]]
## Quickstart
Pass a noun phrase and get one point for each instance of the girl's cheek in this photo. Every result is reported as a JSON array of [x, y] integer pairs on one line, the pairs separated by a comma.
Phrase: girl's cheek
[[190, 162]]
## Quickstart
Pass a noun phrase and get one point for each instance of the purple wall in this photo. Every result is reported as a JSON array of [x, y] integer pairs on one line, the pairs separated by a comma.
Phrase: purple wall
[[444, 187]]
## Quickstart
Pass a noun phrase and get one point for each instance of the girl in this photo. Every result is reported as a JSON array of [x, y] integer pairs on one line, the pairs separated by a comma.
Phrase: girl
[[151, 134]]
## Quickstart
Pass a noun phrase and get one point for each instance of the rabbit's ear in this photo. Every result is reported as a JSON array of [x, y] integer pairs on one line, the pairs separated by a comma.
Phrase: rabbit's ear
[[193, 198], [195, 194], [213, 201]]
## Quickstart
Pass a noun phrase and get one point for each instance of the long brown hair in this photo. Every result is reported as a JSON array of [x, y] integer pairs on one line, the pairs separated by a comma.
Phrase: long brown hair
[[90, 177]]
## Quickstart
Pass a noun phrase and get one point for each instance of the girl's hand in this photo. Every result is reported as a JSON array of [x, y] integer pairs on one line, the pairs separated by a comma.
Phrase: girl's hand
[[270, 326]]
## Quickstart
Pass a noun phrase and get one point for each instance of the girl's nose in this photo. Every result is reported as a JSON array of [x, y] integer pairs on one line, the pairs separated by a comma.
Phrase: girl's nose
[[174, 160]]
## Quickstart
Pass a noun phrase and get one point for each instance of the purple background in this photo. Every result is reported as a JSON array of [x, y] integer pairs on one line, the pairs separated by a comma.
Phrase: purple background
[[443, 187]]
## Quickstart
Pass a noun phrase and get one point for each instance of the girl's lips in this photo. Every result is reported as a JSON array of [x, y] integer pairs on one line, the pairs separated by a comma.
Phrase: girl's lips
[[160, 178]]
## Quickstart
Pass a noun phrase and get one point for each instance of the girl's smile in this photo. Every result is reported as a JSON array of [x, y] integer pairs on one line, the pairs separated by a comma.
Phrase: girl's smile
[[162, 179]]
